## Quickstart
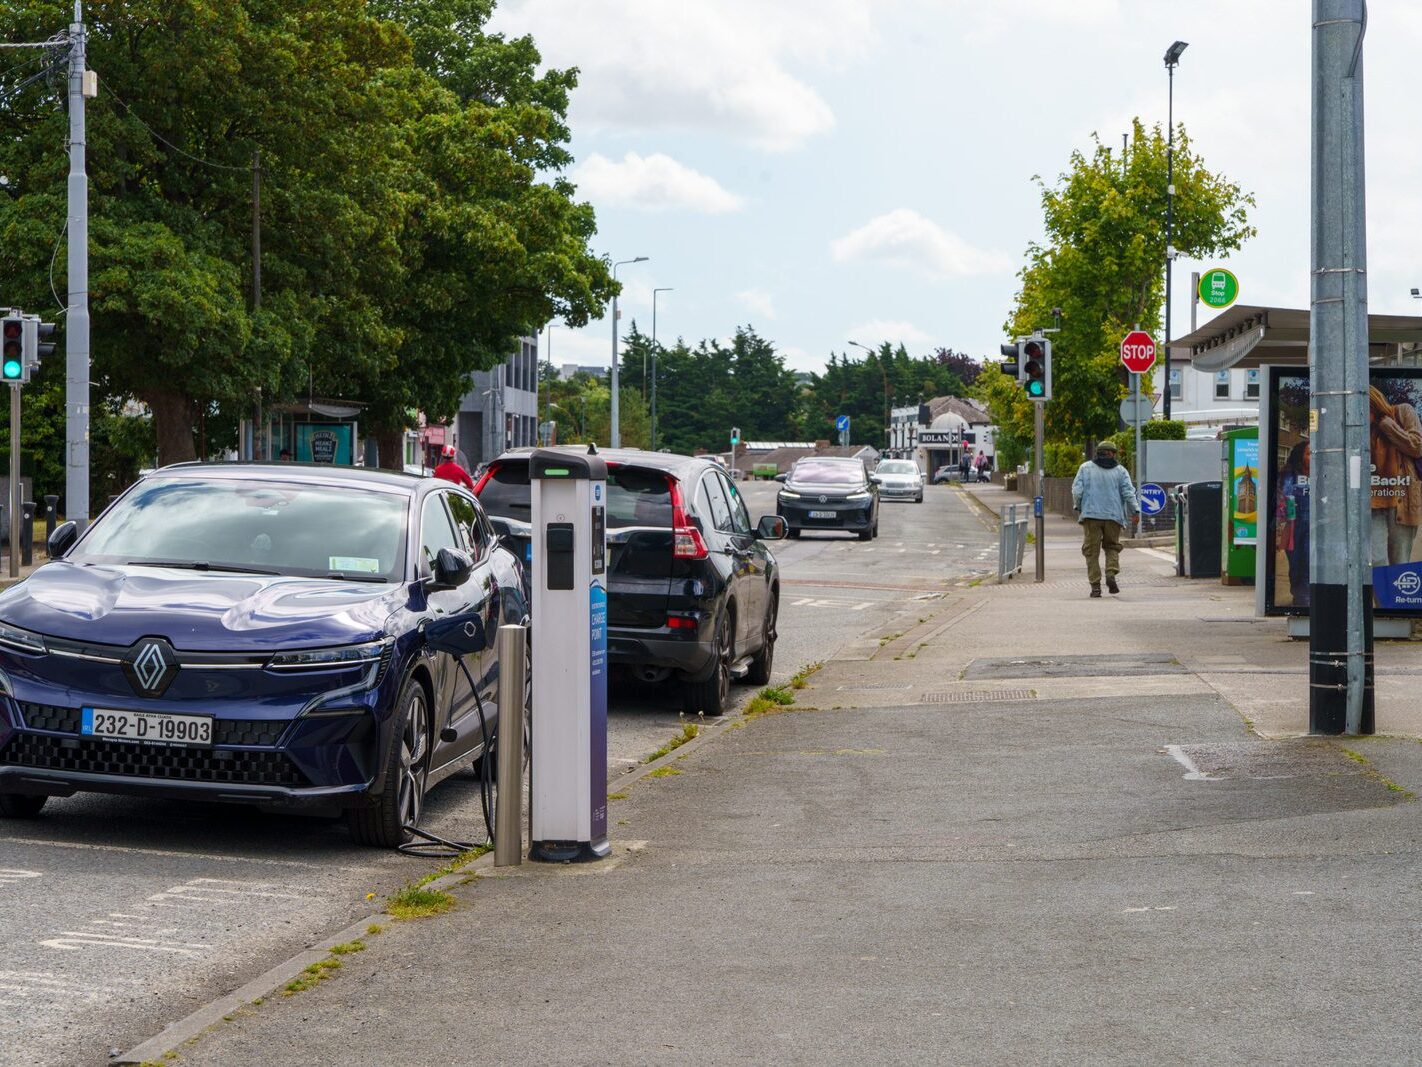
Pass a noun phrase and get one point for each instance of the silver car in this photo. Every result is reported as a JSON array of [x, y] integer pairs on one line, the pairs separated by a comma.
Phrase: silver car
[[899, 479]]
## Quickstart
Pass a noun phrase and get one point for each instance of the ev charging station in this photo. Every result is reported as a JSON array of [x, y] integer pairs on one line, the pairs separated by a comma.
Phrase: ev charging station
[[569, 765]]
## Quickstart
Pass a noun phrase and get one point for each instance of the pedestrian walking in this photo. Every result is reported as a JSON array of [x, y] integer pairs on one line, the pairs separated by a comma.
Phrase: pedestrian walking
[[1104, 499], [451, 471], [965, 464]]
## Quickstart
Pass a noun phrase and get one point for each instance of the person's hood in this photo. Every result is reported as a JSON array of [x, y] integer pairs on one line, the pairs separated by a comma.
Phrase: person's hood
[[197, 610]]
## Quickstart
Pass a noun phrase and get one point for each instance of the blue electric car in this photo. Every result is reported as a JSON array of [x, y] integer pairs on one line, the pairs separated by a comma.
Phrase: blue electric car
[[279, 635]]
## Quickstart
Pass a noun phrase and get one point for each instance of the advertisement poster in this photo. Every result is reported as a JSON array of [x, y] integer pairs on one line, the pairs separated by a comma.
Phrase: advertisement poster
[[1244, 491], [318, 442], [1395, 418]]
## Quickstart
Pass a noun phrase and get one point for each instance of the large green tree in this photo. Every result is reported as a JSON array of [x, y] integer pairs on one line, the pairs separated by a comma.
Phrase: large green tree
[[863, 388], [414, 219], [1102, 263]]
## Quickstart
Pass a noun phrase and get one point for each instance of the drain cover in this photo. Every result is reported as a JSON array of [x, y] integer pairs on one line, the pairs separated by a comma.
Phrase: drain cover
[[977, 696], [1109, 666], [871, 686]]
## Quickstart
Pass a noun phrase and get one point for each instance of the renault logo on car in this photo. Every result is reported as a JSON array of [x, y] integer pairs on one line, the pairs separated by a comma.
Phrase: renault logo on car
[[150, 667]]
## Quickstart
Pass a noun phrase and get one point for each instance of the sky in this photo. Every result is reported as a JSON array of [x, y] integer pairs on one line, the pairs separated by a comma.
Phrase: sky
[[836, 170]]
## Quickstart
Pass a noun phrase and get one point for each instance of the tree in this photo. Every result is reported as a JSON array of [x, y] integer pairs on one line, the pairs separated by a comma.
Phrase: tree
[[860, 389], [1102, 264], [414, 218]]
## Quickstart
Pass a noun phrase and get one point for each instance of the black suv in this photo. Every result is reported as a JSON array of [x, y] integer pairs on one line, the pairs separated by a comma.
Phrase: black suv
[[693, 591], [830, 493]]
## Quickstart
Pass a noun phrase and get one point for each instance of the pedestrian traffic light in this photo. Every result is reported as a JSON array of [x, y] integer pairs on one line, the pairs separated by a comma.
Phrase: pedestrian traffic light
[[12, 360], [35, 343], [1009, 360], [735, 435], [1035, 368]]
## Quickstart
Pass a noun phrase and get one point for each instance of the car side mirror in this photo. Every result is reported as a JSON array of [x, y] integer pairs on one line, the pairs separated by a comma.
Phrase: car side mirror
[[452, 568], [782, 477], [62, 540], [875, 479], [771, 528]]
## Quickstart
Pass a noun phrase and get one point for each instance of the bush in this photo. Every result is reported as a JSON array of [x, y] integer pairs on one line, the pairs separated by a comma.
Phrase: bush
[[1163, 430], [1061, 459]]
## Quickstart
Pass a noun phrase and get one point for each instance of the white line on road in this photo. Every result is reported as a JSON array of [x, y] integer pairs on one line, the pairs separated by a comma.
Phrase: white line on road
[[73, 940], [11, 875], [1193, 773], [181, 854]]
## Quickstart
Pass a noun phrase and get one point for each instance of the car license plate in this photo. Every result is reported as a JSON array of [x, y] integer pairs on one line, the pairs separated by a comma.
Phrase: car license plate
[[822, 514], [147, 726]]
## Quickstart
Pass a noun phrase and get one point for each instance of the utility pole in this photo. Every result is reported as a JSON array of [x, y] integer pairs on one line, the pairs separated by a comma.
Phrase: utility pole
[[1340, 552], [1172, 60], [76, 330], [615, 430], [258, 437], [663, 289]]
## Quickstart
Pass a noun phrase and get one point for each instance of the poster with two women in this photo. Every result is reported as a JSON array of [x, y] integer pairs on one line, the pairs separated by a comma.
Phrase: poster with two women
[[1395, 443]]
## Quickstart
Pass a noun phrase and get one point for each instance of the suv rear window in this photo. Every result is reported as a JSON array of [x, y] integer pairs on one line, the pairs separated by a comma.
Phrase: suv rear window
[[634, 497]]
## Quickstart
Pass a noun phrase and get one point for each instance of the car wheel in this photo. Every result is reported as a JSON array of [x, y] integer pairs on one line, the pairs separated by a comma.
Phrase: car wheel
[[865, 535], [763, 661], [20, 805], [382, 820], [710, 696]]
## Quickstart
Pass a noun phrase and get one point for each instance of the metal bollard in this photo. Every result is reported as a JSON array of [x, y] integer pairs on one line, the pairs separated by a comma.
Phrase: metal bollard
[[508, 812], [27, 535], [51, 514]]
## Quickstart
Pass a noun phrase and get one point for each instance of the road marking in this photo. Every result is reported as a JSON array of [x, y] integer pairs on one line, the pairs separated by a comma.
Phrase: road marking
[[1129, 911], [13, 875], [182, 854], [1193, 773], [73, 940]]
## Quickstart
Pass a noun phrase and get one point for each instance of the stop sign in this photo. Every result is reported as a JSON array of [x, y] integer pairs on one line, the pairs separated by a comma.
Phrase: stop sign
[[1138, 351]]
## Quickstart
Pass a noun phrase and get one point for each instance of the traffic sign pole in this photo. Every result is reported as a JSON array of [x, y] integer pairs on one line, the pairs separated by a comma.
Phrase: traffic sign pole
[[1040, 520]]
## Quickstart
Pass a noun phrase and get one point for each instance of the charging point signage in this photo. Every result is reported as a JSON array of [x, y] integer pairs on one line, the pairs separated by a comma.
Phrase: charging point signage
[[569, 775]]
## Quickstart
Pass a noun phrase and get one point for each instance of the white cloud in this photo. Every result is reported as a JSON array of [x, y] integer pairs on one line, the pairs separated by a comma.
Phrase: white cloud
[[904, 238], [759, 301], [877, 331], [710, 66], [651, 183]]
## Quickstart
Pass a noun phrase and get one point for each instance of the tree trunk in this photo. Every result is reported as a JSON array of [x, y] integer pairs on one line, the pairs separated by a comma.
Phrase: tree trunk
[[391, 444], [173, 418]]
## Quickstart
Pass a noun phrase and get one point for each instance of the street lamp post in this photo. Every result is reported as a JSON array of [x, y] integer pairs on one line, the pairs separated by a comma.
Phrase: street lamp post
[[665, 289], [885, 372], [615, 433], [1172, 60], [548, 385]]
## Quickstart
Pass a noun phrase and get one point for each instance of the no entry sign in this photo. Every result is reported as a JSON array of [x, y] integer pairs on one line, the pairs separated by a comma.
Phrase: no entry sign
[[1138, 352]]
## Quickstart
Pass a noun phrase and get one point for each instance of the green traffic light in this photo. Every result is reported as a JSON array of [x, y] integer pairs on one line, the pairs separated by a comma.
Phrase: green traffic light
[[12, 370], [1036, 388]]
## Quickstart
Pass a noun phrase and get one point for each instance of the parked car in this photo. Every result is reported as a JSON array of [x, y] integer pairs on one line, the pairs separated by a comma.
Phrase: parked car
[[281, 635], [944, 474], [899, 479], [829, 493], [693, 590]]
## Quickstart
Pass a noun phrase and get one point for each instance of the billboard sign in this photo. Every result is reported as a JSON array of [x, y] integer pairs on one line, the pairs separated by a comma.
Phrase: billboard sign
[[1395, 444]]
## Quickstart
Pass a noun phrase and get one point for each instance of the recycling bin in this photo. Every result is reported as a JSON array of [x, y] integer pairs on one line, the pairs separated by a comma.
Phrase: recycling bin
[[1199, 521]]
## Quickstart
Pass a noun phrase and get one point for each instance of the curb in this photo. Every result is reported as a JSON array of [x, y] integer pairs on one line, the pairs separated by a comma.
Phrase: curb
[[191, 1026]]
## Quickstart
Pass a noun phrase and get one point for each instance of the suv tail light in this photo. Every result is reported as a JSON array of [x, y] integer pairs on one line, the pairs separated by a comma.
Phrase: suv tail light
[[484, 478], [686, 538]]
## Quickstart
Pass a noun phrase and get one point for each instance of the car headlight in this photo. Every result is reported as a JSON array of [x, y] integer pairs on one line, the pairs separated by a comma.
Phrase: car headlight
[[331, 658], [789, 494], [12, 637], [858, 498]]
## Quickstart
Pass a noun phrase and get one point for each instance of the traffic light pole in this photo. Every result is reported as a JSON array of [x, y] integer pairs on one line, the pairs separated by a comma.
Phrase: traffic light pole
[[15, 480], [1038, 505], [76, 329]]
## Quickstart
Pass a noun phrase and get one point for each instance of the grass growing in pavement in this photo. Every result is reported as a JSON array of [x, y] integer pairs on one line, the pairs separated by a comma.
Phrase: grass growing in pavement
[[663, 772], [461, 860], [311, 976], [802, 676], [689, 731], [616, 796], [416, 902]]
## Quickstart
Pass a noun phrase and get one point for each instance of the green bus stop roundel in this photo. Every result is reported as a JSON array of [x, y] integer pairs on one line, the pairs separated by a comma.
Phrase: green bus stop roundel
[[1219, 288]]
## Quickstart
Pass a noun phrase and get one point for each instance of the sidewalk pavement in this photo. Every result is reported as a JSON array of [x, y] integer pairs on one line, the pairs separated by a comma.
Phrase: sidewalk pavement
[[1031, 827]]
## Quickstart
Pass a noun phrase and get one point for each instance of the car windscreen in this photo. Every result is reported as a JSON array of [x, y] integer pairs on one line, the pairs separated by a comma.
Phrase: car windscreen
[[819, 472], [897, 467], [263, 526], [635, 496]]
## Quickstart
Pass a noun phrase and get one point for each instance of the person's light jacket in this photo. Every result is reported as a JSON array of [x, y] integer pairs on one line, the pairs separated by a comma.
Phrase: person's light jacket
[[1100, 492]]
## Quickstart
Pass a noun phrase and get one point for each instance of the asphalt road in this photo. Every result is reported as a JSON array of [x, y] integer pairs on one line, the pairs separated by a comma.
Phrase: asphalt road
[[122, 915]]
